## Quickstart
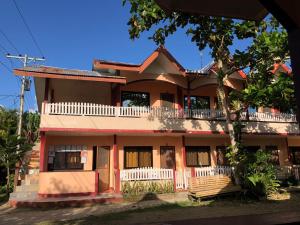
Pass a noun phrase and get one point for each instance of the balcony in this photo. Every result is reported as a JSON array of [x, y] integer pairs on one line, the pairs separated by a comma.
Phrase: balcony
[[90, 117], [90, 109]]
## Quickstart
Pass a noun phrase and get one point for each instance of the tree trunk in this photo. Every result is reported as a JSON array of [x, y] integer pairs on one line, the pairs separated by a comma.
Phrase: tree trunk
[[7, 178], [223, 96]]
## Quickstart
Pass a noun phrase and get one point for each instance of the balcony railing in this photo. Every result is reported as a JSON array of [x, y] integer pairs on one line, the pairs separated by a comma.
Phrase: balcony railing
[[91, 109]]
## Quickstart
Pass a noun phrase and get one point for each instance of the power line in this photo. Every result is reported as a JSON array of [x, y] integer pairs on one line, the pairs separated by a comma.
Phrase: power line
[[6, 67], [28, 28], [9, 41]]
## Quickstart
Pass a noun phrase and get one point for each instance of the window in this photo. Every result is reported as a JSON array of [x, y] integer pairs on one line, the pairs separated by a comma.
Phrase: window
[[252, 149], [65, 157], [273, 150], [295, 152], [197, 156], [167, 100], [138, 157], [197, 102], [130, 99], [222, 160]]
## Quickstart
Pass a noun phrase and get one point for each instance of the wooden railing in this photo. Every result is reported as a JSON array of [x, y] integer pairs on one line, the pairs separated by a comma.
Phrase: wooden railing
[[146, 173], [91, 109]]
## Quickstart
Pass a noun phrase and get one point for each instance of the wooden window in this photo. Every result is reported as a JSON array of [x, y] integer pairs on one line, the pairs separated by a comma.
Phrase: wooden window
[[222, 160], [138, 157], [130, 99], [197, 156], [295, 152], [273, 150], [197, 102], [167, 157]]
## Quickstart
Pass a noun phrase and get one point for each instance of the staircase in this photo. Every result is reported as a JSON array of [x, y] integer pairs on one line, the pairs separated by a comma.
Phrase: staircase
[[30, 183]]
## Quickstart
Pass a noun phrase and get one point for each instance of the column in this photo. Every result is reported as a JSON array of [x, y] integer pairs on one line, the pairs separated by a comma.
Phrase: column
[[183, 153], [43, 156], [116, 165]]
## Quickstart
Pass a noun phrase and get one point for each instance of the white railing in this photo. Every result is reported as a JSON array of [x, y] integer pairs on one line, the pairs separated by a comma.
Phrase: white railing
[[91, 109], [212, 171], [182, 177], [146, 173]]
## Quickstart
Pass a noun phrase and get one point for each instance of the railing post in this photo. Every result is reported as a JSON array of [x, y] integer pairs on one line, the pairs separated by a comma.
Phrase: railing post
[[174, 179]]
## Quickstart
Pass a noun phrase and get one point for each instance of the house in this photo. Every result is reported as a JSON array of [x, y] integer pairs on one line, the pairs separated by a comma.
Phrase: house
[[98, 126]]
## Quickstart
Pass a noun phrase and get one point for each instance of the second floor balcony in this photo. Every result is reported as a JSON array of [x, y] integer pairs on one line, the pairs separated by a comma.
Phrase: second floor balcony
[[91, 109], [105, 119]]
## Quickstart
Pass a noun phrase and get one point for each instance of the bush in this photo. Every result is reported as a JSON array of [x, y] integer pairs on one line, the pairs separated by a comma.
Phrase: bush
[[11, 181], [135, 189], [255, 172]]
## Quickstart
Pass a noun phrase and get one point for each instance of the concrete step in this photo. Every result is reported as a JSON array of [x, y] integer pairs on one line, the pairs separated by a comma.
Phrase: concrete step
[[27, 188], [30, 195]]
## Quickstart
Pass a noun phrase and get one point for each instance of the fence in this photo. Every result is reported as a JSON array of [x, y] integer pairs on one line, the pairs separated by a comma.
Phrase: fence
[[212, 171], [91, 109], [146, 173]]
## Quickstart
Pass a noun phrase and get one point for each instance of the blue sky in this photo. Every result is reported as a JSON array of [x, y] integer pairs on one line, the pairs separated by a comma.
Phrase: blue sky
[[73, 33]]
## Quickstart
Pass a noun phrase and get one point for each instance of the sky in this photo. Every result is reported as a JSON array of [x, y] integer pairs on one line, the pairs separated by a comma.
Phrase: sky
[[73, 33]]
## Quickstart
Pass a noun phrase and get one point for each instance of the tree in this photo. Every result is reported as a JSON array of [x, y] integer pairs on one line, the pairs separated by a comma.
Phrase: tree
[[217, 33], [12, 147]]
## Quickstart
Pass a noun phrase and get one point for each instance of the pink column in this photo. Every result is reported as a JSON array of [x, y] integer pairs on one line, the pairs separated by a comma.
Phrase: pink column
[[116, 165], [183, 152], [43, 158]]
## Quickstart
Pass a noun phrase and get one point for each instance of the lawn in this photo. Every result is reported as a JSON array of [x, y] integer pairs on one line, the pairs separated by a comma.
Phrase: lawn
[[189, 210]]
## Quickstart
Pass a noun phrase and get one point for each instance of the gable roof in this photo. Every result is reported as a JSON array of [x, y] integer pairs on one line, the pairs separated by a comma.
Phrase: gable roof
[[72, 74], [103, 64]]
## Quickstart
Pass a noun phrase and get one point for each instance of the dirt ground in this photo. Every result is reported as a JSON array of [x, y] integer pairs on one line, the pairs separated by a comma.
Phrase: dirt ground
[[146, 212]]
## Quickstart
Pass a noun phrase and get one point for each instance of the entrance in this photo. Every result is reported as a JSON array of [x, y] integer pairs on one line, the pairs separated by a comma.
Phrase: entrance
[[167, 157], [101, 156]]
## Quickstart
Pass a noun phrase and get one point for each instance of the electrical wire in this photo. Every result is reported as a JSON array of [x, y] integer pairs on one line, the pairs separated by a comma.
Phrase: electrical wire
[[9, 41], [28, 28]]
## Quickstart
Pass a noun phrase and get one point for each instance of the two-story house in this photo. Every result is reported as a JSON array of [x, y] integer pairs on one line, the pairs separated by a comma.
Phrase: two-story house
[[96, 125]]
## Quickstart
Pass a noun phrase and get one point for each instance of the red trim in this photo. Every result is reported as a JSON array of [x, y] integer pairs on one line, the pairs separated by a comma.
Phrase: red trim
[[183, 152], [100, 64], [116, 165], [91, 130], [42, 152], [174, 179], [193, 172], [96, 183], [62, 195], [68, 77]]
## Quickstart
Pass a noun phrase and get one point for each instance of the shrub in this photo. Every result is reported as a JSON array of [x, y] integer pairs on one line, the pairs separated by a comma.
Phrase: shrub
[[255, 171], [135, 189]]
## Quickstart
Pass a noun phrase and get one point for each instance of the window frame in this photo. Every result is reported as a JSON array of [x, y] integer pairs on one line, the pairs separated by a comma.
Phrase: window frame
[[218, 149], [127, 148], [185, 101], [270, 150], [292, 152], [66, 168], [196, 149], [135, 92]]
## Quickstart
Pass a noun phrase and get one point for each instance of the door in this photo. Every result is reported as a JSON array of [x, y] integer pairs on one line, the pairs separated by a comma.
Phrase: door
[[167, 157], [102, 166], [167, 100]]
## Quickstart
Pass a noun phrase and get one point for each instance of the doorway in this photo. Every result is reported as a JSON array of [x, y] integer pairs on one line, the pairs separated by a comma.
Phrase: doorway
[[167, 157], [101, 158]]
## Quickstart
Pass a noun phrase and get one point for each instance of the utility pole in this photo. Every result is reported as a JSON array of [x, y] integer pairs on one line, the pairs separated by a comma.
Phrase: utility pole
[[25, 60]]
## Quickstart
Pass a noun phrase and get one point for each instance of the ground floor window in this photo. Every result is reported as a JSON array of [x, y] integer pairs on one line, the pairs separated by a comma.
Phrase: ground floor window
[[295, 153], [197, 156], [273, 150], [222, 160], [138, 156], [65, 157]]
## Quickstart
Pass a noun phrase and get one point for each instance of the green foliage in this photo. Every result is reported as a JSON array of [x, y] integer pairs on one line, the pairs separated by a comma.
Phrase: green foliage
[[255, 171], [135, 189]]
